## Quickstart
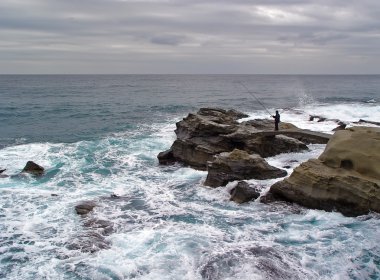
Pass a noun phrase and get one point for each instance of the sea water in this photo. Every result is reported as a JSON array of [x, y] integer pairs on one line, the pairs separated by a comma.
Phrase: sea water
[[100, 135]]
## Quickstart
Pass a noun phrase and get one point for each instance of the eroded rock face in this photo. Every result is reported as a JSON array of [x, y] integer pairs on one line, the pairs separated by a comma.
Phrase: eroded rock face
[[356, 149], [212, 131], [239, 165], [346, 177], [243, 192], [33, 168]]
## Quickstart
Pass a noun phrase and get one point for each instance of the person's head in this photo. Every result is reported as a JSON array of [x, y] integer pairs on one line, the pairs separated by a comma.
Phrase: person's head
[[276, 112]]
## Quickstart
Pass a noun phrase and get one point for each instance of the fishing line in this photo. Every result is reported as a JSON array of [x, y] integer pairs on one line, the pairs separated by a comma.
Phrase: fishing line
[[251, 93]]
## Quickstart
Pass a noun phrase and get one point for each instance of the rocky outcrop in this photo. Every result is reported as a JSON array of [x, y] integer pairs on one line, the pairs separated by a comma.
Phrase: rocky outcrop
[[85, 207], [212, 131], [3, 175], [33, 168], [243, 192], [239, 165], [88, 242], [345, 178], [370, 122]]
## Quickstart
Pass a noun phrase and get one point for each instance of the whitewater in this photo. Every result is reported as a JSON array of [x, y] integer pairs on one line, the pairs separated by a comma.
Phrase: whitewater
[[165, 224]]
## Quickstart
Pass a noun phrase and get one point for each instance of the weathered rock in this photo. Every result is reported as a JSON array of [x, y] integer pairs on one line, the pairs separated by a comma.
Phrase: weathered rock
[[340, 127], [274, 145], [212, 131], [239, 165], [267, 124], [356, 148], [33, 168], [166, 157], [105, 227], [370, 122], [243, 193], [346, 177], [85, 207]]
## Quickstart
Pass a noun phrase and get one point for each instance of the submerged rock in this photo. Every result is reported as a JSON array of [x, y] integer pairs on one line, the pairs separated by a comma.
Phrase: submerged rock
[[33, 168], [103, 226], [243, 193], [239, 165], [85, 207], [268, 262], [88, 242], [346, 177]]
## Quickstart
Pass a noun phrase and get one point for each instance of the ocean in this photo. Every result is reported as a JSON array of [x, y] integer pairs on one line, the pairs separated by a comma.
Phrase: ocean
[[99, 135]]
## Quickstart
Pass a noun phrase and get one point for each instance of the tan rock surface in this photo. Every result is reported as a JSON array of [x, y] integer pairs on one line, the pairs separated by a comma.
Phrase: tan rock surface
[[344, 178]]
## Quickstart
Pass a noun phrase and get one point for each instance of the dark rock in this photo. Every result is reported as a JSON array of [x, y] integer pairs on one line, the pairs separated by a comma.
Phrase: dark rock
[[239, 165], [166, 157], [370, 122], [105, 227], [85, 207], [54, 194], [88, 242], [340, 127], [269, 262], [2, 170], [33, 168], [212, 131], [243, 193], [274, 145]]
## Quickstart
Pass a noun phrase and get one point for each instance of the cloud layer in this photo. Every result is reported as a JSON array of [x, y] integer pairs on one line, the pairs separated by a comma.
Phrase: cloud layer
[[179, 36]]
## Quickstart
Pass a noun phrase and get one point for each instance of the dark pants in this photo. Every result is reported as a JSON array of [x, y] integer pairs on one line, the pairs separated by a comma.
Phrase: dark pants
[[276, 126]]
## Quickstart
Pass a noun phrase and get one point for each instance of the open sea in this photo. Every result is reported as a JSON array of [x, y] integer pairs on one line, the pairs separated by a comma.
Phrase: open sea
[[99, 135]]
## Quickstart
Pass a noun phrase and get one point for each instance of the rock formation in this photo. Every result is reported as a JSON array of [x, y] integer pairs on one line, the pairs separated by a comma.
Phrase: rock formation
[[212, 131], [243, 193], [239, 165], [346, 177], [85, 207], [33, 168]]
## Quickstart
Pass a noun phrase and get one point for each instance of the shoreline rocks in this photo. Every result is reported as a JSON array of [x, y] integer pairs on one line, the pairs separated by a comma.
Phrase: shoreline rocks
[[345, 178], [212, 131], [239, 165]]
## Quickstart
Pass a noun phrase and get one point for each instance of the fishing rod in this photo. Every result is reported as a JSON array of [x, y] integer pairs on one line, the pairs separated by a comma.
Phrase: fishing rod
[[254, 96]]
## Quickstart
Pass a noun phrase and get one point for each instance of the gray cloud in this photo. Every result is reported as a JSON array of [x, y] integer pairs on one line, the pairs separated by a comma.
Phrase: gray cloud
[[183, 36]]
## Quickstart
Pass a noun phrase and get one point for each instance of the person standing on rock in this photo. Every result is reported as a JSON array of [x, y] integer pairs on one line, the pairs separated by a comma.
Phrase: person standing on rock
[[276, 120]]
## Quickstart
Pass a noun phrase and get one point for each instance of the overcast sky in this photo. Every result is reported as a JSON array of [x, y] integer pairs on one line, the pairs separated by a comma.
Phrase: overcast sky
[[190, 36]]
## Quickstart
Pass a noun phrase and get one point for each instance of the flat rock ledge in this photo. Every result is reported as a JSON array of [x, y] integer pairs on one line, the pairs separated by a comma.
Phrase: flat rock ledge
[[345, 178], [239, 165]]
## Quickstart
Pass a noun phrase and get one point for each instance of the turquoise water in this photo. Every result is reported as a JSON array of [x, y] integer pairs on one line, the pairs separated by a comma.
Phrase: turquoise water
[[99, 135]]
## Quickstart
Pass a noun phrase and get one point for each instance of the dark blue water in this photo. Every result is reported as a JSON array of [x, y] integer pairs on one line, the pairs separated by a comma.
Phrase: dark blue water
[[66, 108], [100, 135]]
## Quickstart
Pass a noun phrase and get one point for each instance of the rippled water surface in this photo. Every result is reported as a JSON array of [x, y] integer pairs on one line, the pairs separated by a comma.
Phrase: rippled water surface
[[100, 135]]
